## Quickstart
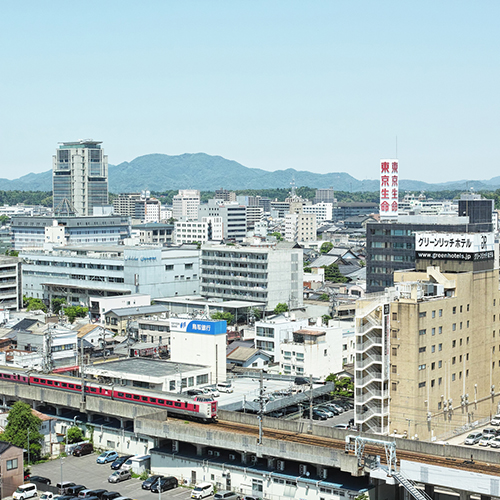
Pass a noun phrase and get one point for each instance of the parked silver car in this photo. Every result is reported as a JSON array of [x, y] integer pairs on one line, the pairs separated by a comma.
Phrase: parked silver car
[[119, 475]]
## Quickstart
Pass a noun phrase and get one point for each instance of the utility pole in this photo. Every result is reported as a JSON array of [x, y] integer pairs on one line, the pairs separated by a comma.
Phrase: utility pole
[[28, 445], [310, 404], [261, 405]]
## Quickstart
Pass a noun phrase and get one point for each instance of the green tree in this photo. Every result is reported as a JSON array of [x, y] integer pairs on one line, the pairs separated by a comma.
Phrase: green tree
[[307, 269], [21, 419], [75, 434], [277, 235], [4, 219], [57, 305], [256, 313], [280, 308], [332, 274], [326, 247], [343, 386], [73, 312], [223, 315], [325, 297], [35, 304], [326, 318]]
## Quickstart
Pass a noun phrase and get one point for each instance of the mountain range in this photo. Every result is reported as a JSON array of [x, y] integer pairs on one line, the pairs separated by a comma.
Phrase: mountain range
[[161, 172]]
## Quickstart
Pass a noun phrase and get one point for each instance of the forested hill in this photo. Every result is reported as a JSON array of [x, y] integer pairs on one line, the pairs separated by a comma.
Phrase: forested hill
[[160, 172]]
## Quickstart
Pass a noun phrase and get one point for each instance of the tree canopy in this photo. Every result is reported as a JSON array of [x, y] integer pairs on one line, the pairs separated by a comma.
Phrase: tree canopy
[[223, 315], [75, 434], [21, 419], [281, 308], [333, 274], [343, 386], [326, 247]]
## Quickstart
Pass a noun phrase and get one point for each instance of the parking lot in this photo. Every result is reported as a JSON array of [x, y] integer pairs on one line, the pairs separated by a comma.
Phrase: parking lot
[[84, 470]]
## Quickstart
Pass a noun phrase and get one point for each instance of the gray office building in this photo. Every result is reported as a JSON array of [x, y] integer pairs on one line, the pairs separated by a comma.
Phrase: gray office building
[[390, 246], [79, 178]]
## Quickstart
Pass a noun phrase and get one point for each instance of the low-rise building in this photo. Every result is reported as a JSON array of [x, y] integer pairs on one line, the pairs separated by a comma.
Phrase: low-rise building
[[271, 332], [318, 351], [77, 273], [248, 357], [201, 231], [28, 232], [98, 306], [153, 233], [151, 374], [12, 466], [117, 319]]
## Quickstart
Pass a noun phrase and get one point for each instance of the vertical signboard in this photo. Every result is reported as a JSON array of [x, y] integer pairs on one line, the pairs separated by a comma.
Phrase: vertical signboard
[[386, 327], [389, 189]]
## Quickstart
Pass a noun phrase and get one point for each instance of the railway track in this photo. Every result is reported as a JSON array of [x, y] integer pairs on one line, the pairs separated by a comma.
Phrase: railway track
[[472, 466]]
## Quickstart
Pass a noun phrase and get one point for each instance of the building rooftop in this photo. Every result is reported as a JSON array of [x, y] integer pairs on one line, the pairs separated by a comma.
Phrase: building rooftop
[[143, 367], [134, 311], [242, 353], [314, 333]]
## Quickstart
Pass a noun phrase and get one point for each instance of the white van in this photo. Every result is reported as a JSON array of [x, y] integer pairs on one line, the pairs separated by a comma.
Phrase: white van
[[225, 387], [25, 491], [202, 490]]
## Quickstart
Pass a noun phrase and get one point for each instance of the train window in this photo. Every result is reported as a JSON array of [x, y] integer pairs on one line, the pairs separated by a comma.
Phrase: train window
[[161, 401], [128, 396], [177, 404], [120, 394], [93, 389], [43, 381], [56, 383], [153, 400], [195, 407], [50, 382], [36, 379], [78, 387], [71, 386], [136, 397], [64, 384], [185, 405], [169, 403], [144, 398]]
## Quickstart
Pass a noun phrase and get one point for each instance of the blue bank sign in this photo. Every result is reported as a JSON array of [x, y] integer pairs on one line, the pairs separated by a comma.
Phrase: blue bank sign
[[198, 326]]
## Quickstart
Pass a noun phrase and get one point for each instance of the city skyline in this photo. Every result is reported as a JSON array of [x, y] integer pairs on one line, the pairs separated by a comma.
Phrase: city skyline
[[327, 87]]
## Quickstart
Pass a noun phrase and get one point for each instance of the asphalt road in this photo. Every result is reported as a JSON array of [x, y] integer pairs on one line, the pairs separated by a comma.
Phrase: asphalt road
[[85, 470]]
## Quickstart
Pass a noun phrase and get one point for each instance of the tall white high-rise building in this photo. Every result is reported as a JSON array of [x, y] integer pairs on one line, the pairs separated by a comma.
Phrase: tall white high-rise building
[[79, 178], [185, 204]]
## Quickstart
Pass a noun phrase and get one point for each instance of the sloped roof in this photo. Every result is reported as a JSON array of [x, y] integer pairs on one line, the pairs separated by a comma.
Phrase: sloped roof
[[86, 329], [24, 324], [242, 354], [324, 260]]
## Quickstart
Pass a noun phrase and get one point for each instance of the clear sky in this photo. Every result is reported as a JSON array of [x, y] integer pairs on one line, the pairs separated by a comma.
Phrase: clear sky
[[318, 85]]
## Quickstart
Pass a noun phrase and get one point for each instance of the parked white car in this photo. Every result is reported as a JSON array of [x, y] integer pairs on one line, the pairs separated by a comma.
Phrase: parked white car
[[495, 420]]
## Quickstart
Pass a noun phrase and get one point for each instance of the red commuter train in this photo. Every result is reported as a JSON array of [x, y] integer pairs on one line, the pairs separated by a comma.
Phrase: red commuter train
[[175, 404]]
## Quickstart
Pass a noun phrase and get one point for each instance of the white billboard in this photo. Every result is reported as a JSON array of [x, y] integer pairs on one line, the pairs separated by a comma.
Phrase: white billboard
[[389, 189], [454, 246]]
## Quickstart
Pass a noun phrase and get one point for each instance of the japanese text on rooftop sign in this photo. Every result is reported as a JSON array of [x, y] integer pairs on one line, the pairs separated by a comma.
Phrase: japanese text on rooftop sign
[[389, 188], [454, 242]]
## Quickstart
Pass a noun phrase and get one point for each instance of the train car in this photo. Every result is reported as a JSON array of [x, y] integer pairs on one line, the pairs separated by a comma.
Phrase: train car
[[176, 405]]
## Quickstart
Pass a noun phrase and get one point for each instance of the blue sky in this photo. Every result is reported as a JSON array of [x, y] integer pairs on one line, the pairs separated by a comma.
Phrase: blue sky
[[324, 86]]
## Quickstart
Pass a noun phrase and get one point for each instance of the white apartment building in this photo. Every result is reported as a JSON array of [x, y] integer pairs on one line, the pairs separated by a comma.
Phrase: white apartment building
[[254, 215], [318, 351], [234, 217], [300, 227], [147, 209], [270, 275], [185, 204], [270, 333], [207, 229], [323, 211]]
